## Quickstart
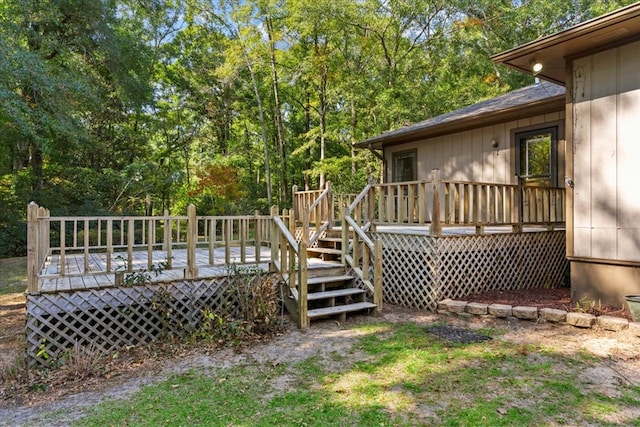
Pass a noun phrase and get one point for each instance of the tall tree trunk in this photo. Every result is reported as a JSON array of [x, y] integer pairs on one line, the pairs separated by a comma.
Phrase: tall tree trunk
[[281, 142], [263, 126], [307, 128], [354, 125]]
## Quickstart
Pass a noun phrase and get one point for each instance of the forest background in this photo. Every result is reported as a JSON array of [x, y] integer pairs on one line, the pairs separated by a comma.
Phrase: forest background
[[140, 106]]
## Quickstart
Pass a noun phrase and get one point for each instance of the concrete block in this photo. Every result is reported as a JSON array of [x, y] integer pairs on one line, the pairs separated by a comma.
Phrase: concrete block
[[527, 313], [581, 320], [499, 310], [612, 323], [477, 308], [553, 315], [455, 306]]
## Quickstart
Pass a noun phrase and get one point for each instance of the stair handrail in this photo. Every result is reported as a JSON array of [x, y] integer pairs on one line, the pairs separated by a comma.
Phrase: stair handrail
[[360, 263], [320, 210], [286, 255]]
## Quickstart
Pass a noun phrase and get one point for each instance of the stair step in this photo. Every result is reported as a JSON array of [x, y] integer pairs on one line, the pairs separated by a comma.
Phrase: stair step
[[328, 279], [347, 308], [325, 250], [334, 293], [330, 239]]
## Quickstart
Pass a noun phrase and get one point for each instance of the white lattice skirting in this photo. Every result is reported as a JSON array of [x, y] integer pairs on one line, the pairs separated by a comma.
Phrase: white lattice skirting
[[420, 270], [117, 317]]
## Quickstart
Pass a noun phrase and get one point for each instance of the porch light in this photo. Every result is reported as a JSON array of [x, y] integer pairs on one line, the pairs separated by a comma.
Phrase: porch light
[[536, 66]]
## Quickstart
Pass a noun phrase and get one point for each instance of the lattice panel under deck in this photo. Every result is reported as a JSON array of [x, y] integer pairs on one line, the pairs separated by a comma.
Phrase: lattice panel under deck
[[420, 270], [409, 270], [117, 317]]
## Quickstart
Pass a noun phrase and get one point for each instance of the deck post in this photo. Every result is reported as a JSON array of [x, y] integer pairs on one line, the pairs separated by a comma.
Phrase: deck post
[[377, 275], [436, 225], [303, 317], [32, 247], [192, 227]]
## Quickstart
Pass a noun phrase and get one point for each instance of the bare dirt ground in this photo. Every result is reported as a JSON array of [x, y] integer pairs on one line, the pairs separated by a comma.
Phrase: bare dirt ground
[[66, 399]]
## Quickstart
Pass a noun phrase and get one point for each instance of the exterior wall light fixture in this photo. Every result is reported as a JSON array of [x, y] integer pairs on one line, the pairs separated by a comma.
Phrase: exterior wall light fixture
[[536, 66]]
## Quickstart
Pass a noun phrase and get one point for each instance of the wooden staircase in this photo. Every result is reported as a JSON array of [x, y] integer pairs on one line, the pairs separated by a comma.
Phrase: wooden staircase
[[321, 278], [329, 246], [331, 292]]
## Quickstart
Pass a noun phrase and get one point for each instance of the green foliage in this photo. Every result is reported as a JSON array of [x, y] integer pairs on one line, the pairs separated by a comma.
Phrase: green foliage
[[131, 107]]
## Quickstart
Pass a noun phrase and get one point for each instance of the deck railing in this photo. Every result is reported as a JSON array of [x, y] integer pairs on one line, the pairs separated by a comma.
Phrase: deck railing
[[126, 235], [439, 203], [314, 210]]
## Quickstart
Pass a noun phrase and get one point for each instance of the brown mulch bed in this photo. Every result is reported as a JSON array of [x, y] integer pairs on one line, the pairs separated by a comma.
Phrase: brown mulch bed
[[551, 298]]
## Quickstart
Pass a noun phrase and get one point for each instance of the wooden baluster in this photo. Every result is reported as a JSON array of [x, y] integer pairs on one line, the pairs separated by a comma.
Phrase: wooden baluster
[[436, 225], [274, 236], [109, 243], [345, 236], [149, 244], [377, 275], [466, 216], [227, 240], [517, 207], [85, 257], [212, 241], [191, 271], [63, 243], [302, 287], [258, 236], [366, 254], [169, 239], [130, 241], [422, 203], [243, 240]]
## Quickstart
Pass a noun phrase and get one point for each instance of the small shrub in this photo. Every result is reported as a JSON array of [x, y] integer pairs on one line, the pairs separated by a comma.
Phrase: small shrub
[[254, 313], [83, 361]]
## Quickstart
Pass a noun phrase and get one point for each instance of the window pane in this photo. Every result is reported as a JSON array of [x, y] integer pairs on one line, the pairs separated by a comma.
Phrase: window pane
[[404, 167], [535, 157]]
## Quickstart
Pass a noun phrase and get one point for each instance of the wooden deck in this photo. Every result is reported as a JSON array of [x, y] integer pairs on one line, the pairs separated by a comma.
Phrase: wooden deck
[[94, 275]]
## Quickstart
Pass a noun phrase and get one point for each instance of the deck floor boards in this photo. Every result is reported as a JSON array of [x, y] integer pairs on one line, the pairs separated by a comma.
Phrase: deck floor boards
[[96, 275]]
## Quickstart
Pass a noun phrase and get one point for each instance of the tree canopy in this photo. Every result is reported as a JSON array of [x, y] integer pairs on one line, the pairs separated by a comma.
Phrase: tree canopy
[[141, 106]]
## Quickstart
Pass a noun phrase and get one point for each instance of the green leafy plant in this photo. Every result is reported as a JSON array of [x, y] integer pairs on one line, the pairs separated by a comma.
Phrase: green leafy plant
[[140, 277]]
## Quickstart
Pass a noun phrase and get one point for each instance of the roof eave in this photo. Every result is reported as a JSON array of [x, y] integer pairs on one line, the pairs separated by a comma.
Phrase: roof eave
[[548, 105], [595, 34]]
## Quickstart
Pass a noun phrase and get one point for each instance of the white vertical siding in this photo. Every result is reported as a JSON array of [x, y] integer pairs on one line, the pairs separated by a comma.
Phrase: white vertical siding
[[606, 159]]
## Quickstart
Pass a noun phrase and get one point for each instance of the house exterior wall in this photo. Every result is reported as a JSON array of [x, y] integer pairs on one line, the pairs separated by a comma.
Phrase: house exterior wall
[[604, 242], [470, 155], [606, 172]]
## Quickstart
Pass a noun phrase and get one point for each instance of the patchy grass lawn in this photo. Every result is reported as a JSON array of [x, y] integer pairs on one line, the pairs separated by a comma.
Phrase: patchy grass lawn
[[394, 374], [13, 275]]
